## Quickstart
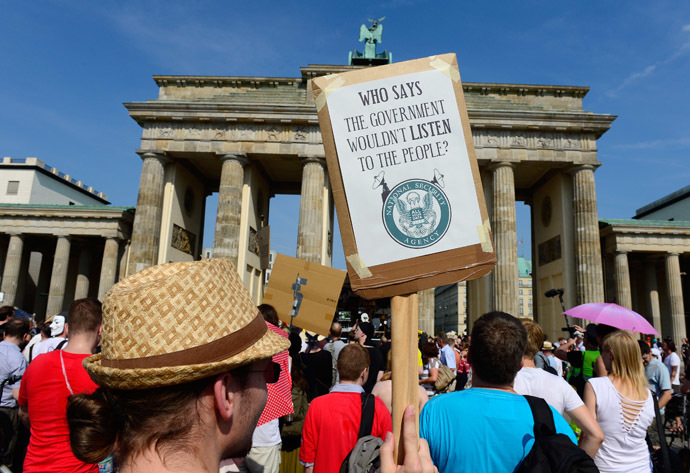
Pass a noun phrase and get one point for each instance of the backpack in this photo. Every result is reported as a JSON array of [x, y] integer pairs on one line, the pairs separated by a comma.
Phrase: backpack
[[544, 361], [552, 452], [444, 379], [364, 456]]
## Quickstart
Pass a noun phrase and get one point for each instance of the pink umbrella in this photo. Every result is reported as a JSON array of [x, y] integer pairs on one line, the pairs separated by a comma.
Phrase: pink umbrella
[[613, 315]]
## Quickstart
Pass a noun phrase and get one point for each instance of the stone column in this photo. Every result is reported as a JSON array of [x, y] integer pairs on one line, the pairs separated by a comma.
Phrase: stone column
[[124, 254], [108, 267], [622, 278], [425, 302], [58, 278], [82, 287], [226, 242], [653, 307], [13, 264], [147, 220], [310, 230], [675, 298], [505, 239], [590, 280]]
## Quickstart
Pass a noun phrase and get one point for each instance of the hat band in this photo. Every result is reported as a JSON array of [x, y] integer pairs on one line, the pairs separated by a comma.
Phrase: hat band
[[217, 350]]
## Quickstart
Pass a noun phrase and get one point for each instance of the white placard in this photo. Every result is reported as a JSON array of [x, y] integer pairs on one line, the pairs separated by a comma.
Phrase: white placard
[[405, 167]]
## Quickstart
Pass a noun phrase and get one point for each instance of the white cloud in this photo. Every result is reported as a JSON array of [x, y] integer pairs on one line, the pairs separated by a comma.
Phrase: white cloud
[[682, 49]]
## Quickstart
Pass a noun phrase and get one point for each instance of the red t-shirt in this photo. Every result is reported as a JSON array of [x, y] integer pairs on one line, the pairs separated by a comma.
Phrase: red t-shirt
[[44, 393], [332, 426]]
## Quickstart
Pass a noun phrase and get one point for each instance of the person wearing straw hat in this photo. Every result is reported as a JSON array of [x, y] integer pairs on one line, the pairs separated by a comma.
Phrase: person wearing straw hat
[[182, 373]]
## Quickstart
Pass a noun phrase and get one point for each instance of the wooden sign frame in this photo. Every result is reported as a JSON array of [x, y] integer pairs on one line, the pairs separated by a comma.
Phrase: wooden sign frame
[[416, 273]]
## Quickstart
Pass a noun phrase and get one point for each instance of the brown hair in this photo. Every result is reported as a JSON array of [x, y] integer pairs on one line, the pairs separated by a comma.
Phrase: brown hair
[[127, 422], [17, 328], [336, 330], [535, 338], [429, 350], [6, 311], [497, 346], [84, 316], [269, 313], [352, 360]]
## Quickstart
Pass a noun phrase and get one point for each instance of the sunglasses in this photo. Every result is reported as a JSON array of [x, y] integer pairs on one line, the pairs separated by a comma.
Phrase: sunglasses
[[271, 372]]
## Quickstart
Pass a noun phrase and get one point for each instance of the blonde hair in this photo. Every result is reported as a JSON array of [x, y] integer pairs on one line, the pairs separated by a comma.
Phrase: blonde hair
[[535, 338], [627, 360]]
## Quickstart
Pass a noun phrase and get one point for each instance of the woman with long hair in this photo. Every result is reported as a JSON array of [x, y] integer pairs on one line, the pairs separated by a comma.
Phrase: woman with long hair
[[430, 366], [622, 404]]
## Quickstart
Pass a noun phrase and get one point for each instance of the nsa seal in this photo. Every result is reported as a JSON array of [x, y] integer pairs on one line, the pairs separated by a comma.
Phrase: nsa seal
[[416, 213]]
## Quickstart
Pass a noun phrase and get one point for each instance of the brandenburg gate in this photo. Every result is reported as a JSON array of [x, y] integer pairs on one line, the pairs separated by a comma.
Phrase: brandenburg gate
[[250, 138]]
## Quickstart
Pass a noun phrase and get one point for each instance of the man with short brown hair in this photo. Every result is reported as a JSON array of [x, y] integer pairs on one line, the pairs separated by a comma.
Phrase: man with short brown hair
[[332, 424], [49, 380]]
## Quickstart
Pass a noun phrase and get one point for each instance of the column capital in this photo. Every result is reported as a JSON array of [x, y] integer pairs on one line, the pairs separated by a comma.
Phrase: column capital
[[162, 156], [14, 233], [239, 157], [493, 165], [582, 167], [622, 252], [671, 254], [312, 159]]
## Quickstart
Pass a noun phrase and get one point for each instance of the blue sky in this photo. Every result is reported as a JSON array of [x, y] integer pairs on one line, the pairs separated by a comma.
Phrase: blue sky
[[67, 67]]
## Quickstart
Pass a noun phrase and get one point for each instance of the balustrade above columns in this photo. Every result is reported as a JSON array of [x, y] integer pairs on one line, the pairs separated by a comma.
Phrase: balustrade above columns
[[505, 238], [13, 264], [146, 231], [675, 298], [228, 216], [588, 268], [310, 230]]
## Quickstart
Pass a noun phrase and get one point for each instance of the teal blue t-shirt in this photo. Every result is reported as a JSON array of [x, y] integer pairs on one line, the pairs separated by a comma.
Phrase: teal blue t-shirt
[[481, 430]]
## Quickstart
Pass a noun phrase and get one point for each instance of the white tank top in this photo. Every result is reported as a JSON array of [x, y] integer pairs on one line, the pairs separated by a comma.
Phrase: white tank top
[[625, 424]]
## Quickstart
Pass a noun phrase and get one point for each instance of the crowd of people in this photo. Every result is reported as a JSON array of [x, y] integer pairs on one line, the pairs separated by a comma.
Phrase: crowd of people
[[167, 377]]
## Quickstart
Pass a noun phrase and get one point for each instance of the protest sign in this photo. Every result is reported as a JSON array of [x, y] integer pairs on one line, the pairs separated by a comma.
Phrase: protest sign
[[317, 292], [404, 175]]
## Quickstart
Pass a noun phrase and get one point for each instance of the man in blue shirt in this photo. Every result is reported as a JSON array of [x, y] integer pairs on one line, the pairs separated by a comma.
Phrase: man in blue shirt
[[660, 383], [446, 352], [12, 365], [497, 424]]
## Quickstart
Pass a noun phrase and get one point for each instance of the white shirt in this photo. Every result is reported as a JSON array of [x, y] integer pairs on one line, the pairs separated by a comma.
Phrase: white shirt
[[267, 435], [624, 448], [46, 346], [553, 389], [670, 361], [35, 340]]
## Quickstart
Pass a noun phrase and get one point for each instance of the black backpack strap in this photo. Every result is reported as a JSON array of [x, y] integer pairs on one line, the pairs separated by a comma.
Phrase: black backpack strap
[[665, 459], [366, 423], [61, 344], [541, 412]]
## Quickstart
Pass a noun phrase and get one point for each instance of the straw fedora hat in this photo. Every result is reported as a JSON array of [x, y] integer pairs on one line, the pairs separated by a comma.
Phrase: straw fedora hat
[[179, 322]]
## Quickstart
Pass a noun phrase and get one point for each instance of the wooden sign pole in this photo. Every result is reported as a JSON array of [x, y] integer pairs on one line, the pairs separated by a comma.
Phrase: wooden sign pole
[[405, 369]]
